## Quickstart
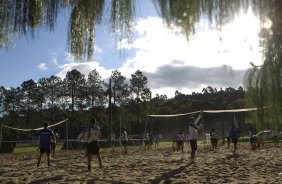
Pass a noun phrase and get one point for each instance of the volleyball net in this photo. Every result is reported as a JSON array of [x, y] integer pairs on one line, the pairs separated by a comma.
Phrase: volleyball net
[[7, 145], [171, 123]]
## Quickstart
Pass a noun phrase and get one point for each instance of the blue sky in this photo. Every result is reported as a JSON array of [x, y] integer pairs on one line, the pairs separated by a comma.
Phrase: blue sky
[[211, 58]]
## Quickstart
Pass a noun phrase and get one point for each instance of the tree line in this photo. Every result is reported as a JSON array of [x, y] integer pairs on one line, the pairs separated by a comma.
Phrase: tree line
[[113, 102]]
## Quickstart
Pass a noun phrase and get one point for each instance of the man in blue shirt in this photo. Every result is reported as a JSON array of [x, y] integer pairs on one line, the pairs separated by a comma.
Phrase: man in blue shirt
[[234, 135], [46, 137]]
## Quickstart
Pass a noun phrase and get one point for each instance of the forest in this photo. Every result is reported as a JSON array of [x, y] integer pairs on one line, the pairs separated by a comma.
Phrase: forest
[[115, 102]]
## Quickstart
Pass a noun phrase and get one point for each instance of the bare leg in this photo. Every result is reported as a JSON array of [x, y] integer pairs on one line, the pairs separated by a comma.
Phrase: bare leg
[[193, 152], [48, 158], [99, 160], [39, 159], [235, 148], [53, 151], [89, 158], [125, 149]]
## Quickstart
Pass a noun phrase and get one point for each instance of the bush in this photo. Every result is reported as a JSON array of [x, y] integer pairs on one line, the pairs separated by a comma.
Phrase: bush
[[7, 147]]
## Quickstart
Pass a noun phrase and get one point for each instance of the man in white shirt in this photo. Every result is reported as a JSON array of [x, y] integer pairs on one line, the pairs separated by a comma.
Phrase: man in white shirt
[[193, 135], [124, 138]]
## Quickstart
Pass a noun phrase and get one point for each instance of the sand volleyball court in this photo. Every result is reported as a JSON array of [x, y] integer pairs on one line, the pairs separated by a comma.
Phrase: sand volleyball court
[[147, 166]]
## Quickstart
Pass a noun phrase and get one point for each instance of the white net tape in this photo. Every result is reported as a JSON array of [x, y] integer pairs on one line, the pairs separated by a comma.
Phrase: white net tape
[[205, 111], [26, 130]]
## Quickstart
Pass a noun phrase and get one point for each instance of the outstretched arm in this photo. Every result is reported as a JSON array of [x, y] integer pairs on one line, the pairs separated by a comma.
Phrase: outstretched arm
[[36, 133]]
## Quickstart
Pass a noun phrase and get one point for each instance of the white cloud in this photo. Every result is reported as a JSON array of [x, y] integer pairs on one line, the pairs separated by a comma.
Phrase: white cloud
[[84, 68], [210, 58], [209, 52], [42, 66]]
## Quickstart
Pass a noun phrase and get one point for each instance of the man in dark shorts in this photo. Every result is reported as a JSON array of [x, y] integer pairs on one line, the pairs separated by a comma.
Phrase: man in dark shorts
[[213, 136], [124, 138], [252, 138], [54, 142], [234, 135], [228, 140], [180, 141], [147, 141], [45, 138], [93, 135], [193, 135]]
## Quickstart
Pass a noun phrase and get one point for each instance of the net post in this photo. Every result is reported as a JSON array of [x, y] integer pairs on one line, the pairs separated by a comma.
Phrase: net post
[[119, 126], [67, 138], [204, 141], [146, 124]]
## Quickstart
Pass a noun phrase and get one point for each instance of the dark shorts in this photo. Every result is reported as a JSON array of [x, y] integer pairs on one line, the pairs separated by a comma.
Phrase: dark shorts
[[45, 151], [84, 145], [179, 143], [213, 140], [53, 145], [234, 141], [93, 148], [124, 143], [252, 139], [193, 144]]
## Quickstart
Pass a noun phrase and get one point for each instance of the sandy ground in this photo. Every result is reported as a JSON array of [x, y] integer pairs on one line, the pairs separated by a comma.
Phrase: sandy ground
[[148, 166]]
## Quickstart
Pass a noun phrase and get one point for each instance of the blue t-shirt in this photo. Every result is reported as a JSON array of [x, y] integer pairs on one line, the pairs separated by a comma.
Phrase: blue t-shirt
[[45, 136], [234, 133]]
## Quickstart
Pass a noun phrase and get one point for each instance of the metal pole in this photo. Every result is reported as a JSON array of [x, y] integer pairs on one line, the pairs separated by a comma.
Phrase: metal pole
[[110, 109], [119, 126], [146, 125], [204, 136], [67, 137]]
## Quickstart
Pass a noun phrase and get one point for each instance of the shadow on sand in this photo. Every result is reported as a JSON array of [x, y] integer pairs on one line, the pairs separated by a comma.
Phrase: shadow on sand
[[171, 174]]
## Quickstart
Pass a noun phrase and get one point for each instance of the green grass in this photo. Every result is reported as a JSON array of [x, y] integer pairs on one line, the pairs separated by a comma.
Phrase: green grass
[[31, 148], [19, 149]]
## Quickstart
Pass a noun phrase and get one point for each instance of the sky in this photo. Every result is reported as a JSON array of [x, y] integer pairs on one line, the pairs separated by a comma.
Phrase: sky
[[213, 58]]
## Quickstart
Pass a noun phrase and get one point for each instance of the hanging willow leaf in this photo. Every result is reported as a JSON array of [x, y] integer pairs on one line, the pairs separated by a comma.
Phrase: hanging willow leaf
[[266, 92], [186, 14], [122, 17], [24, 17], [85, 16]]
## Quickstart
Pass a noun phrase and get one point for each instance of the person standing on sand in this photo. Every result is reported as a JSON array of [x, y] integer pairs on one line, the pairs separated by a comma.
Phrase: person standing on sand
[[252, 137], [124, 138], [157, 140], [213, 136], [234, 135], [180, 141], [46, 136], [228, 139], [113, 141], [193, 135], [53, 143], [93, 135], [147, 141]]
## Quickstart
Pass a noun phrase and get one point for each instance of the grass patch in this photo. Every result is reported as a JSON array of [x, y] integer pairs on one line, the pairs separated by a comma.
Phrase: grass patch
[[25, 148]]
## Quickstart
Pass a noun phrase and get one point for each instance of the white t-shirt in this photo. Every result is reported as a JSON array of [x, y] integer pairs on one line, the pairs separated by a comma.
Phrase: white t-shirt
[[94, 134], [213, 135], [193, 132], [124, 136]]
